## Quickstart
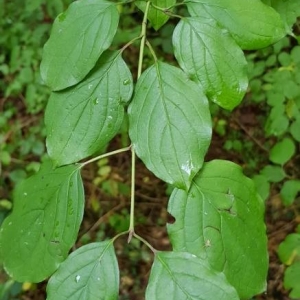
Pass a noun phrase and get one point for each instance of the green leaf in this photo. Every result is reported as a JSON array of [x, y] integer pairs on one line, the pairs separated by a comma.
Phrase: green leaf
[[212, 59], [273, 173], [262, 186], [289, 249], [181, 275], [78, 38], [282, 152], [294, 130], [156, 17], [89, 273], [83, 119], [289, 191], [252, 24], [170, 125], [277, 125], [289, 10], [43, 226], [221, 220], [291, 280]]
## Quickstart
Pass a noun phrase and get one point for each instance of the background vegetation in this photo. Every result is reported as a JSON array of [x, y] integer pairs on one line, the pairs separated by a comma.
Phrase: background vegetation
[[262, 135]]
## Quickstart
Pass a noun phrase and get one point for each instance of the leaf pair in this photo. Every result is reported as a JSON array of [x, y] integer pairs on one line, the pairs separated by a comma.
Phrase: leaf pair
[[87, 108], [91, 272]]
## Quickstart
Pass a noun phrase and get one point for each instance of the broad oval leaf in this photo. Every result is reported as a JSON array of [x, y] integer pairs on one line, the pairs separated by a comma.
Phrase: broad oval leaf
[[221, 219], [156, 17], [211, 58], [181, 275], [78, 38], [283, 151], [36, 237], [81, 120], [170, 125], [89, 273], [252, 24]]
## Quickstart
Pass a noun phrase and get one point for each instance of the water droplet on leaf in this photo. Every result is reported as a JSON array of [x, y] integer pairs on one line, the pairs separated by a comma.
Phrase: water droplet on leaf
[[126, 81], [77, 278]]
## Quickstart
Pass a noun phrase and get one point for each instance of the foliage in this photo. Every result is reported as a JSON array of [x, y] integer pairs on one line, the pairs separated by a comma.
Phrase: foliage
[[170, 131], [289, 254]]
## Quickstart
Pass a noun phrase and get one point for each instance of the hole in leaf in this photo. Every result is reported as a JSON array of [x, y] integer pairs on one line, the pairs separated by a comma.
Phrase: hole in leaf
[[170, 219]]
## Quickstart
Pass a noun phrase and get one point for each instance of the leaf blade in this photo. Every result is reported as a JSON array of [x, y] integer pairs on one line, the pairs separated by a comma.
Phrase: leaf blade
[[182, 275], [48, 209], [90, 272], [220, 219], [83, 119], [212, 59], [76, 42], [282, 151], [169, 124], [253, 24]]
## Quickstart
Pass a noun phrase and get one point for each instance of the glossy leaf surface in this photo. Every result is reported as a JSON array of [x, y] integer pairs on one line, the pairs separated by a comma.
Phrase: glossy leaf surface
[[89, 273], [37, 236], [170, 125], [181, 275], [211, 58], [252, 24], [83, 119], [221, 220], [78, 38], [156, 17]]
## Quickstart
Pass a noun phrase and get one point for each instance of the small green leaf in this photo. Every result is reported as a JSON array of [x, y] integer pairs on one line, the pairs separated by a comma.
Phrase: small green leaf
[[170, 125], [294, 130], [289, 191], [289, 249], [37, 236], [291, 280], [156, 17], [212, 59], [181, 275], [78, 38], [221, 220], [282, 152], [273, 173], [277, 125], [252, 24], [289, 10], [89, 273], [262, 186], [83, 119]]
